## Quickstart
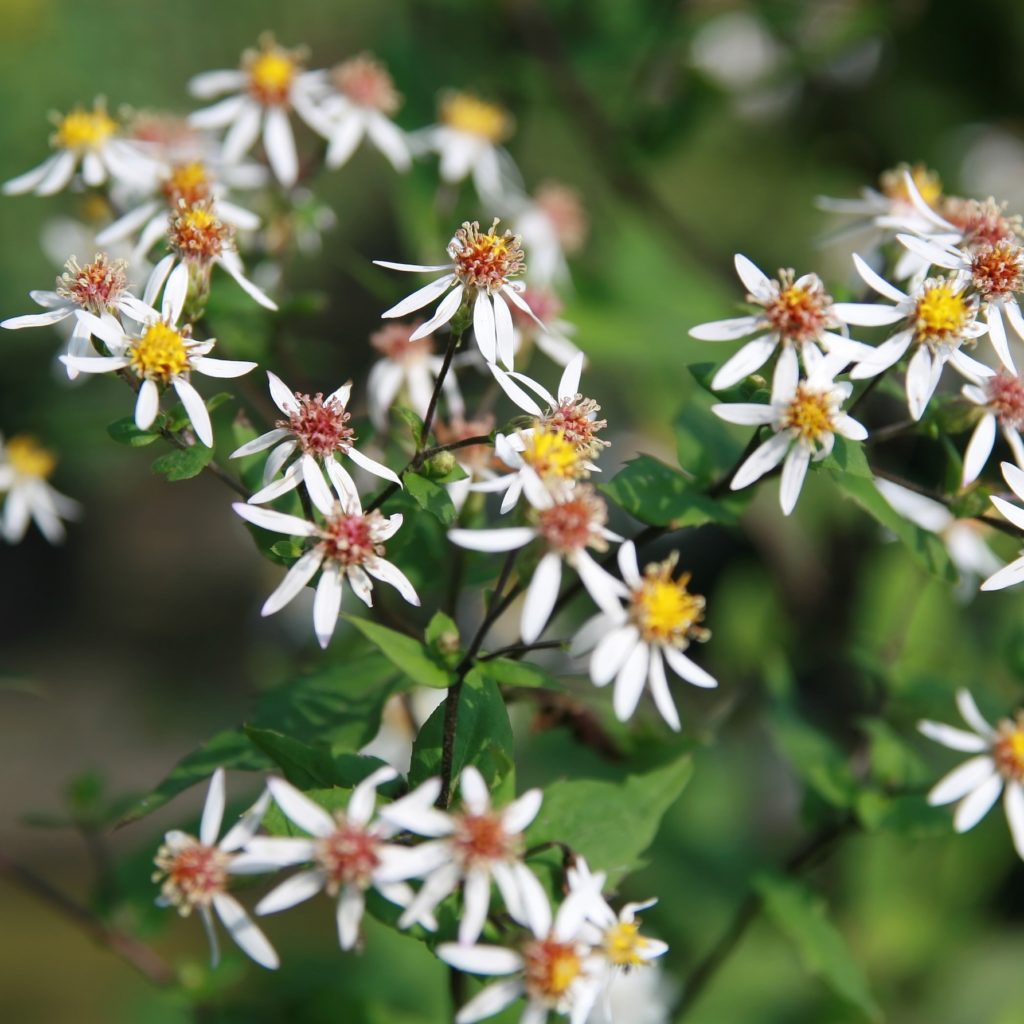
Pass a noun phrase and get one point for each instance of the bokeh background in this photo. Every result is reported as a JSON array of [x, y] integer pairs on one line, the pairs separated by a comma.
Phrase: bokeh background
[[692, 130]]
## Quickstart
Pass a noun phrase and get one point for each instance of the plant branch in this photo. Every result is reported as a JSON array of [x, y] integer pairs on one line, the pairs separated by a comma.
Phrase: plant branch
[[449, 354]]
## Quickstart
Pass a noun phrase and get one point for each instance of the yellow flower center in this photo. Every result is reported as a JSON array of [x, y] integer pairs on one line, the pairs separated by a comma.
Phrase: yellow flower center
[[272, 70], [550, 454], [551, 967], [664, 610], [468, 113], [85, 129], [623, 944], [926, 181], [197, 233], [188, 183], [160, 354], [809, 414], [28, 458], [1008, 749], [942, 312]]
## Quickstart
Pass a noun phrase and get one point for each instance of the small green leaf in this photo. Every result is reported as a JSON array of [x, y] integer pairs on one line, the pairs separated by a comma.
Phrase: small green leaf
[[411, 420], [286, 549], [800, 915], [185, 463], [124, 431], [442, 637], [432, 497], [303, 765], [405, 653], [506, 672], [815, 758]]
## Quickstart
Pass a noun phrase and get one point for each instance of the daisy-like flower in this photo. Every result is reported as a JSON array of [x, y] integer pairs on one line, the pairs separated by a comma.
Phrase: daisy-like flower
[[552, 224], [409, 369], [1012, 574], [797, 312], [361, 108], [194, 874], [1001, 399], [483, 265], [938, 316], [474, 845], [316, 430], [160, 354], [348, 851], [90, 139], [100, 288], [201, 240], [554, 967], [25, 469], [997, 768], [567, 528], [349, 544], [631, 645], [270, 82], [805, 416]]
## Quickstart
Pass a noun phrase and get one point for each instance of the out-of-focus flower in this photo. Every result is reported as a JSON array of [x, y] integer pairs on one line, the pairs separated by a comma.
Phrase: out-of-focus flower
[[483, 265], [92, 139], [271, 82], [997, 768], [1001, 399], [348, 545], [552, 224], [317, 430], [474, 846], [797, 313], [478, 461], [25, 468], [194, 874], [805, 416], [1012, 574], [639, 997], [544, 327], [631, 645]]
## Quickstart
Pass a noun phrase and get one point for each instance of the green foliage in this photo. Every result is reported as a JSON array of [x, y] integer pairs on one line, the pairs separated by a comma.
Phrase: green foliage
[[183, 463], [124, 431], [818, 762], [706, 447], [405, 653], [508, 672], [431, 496]]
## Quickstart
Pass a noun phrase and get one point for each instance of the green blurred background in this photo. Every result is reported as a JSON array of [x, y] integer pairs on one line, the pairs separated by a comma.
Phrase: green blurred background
[[692, 130]]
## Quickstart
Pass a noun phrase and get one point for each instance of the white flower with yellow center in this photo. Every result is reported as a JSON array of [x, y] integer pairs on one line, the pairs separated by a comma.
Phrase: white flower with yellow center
[[483, 265], [25, 469], [316, 430], [348, 853], [348, 544], [938, 317], [271, 82], [194, 873], [159, 355], [631, 644], [554, 967], [797, 313], [805, 416], [997, 768], [472, 846], [1012, 574], [92, 139]]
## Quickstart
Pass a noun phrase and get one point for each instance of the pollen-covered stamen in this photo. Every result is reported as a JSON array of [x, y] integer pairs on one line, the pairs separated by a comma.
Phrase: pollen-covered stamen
[[350, 539], [624, 945], [942, 312], [191, 873], [481, 838], [187, 184], [392, 341], [348, 856], [1008, 748], [799, 312], [927, 182], [664, 611], [810, 413], [197, 233], [468, 113], [320, 425], [551, 968], [552, 455], [97, 286], [84, 129], [160, 354], [981, 223], [364, 80], [272, 70], [575, 523], [576, 418], [997, 270], [1006, 399], [486, 260], [28, 458]]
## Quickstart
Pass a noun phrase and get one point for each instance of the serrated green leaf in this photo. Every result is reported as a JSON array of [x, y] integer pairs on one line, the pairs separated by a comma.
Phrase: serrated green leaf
[[405, 653], [124, 431], [432, 497], [610, 823], [800, 915], [185, 463], [507, 672]]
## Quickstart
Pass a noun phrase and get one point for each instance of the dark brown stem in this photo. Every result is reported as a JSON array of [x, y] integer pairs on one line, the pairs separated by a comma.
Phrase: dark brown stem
[[449, 354]]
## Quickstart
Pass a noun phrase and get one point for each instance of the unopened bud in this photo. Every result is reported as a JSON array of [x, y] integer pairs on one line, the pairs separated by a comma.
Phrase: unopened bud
[[439, 465]]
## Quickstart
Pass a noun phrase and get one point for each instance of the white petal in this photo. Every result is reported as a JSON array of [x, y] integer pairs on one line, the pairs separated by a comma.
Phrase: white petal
[[754, 279], [291, 891], [505, 539], [223, 368], [1013, 805], [327, 604], [1009, 576], [480, 959], [629, 684], [541, 596], [473, 791], [412, 267], [213, 810], [420, 298], [146, 405], [279, 143], [388, 572], [997, 335], [58, 174], [483, 326], [794, 469], [763, 459], [787, 372], [51, 316], [175, 293], [349, 916], [489, 1001], [519, 814], [248, 936], [688, 670], [1012, 512], [877, 282], [30, 179], [261, 443], [293, 583], [232, 263], [976, 805], [867, 314], [210, 83], [971, 715], [661, 693], [979, 448], [628, 565], [746, 414], [955, 739], [476, 901], [1014, 476], [244, 129], [309, 816], [446, 309], [726, 330], [611, 653], [504, 332], [962, 780], [748, 360], [344, 137], [373, 466], [268, 519], [364, 796], [196, 409]]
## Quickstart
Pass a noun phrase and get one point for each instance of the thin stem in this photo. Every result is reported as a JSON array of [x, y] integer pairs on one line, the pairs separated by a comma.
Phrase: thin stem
[[449, 354], [521, 649]]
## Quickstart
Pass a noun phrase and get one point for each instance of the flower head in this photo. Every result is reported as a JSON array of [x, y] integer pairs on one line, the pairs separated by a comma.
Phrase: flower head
[[25, 469]]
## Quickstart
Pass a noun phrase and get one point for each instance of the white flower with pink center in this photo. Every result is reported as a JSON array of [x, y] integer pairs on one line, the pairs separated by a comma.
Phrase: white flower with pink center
[[194, 874], [348, 853], [471, 846], [315, 430], [482, 268], [1001, 401], [554, 338], [552, 224], [347, 544]]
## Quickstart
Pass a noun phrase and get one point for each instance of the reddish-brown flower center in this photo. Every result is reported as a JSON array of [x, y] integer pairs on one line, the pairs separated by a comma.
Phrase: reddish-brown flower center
[[1006, 399], [981, 223], [576, 523], [348, 856], [351, 538], [392, 341], [577, 420], [320, 425], [197, 233], [998, 270], [798, 311], [364, 80], [191, 873], [97, 286], [551, 968], [1008, 748], [485, 259], [482, 837]]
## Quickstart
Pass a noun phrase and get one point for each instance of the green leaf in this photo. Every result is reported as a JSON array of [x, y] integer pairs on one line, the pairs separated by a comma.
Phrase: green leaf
[[442, 637], [124, 431], [185, 463], [303, 765], [906, 814], [405, 653], [176, 418], [483, 737], [411, 420], [815, 758], [801, 916], [431, 496], [507, 672], [286, 550], [705, 445], [610, 823], [658, 495]]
